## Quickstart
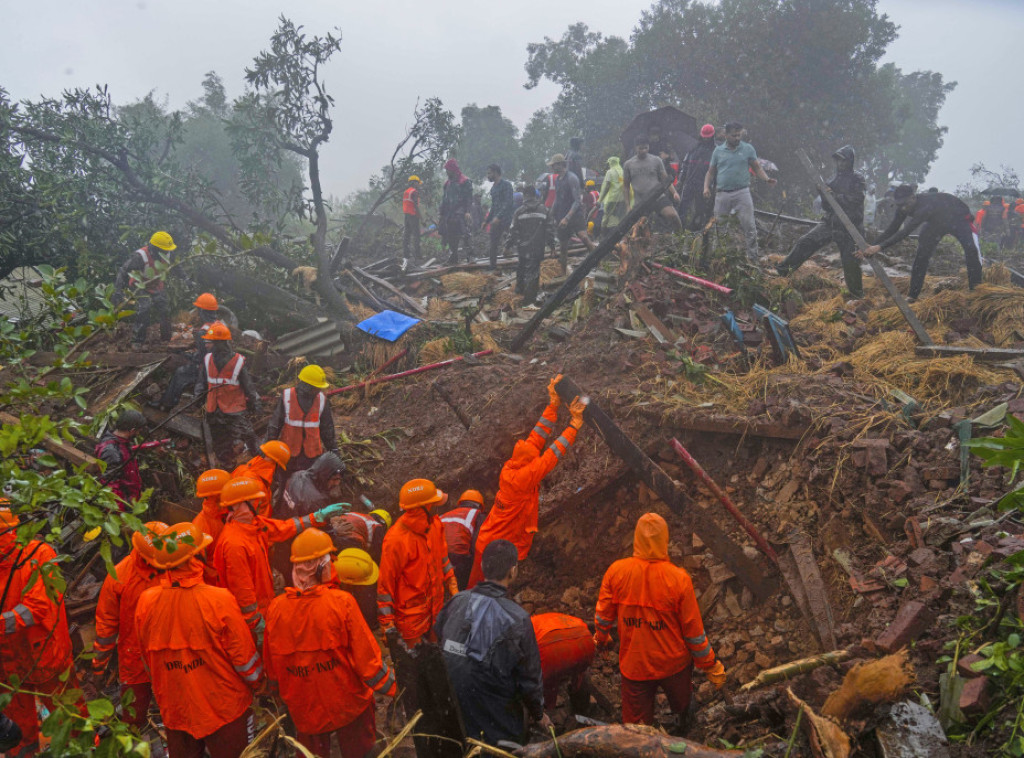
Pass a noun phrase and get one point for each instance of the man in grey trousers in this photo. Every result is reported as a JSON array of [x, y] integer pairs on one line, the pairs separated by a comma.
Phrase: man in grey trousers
[[730, 168]]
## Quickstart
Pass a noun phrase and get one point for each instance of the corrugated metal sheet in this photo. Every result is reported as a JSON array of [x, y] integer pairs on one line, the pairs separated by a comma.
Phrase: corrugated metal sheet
[[322, 340], [19, 300]]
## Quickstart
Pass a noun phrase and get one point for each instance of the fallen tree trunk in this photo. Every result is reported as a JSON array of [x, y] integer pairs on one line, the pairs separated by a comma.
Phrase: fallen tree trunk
[[621, 741], [252, 290]]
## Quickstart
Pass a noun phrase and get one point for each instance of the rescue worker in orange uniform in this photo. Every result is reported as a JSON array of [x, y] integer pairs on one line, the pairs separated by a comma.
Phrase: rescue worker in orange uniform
[[36, 645], [661, 633], [566, 651], [115, 622], [230, 394], [242, 559], [210, 519], [513, 516], [363, 531], [323, 656], [272, 457], [199, 652], [302, 420], [461, 526], [411, 212], [414, 565]]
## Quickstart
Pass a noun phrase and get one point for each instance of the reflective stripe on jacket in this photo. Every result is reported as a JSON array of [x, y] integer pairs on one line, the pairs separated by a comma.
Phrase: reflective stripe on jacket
[[410, 202], [199, 652], [148, 278], [324, 657], [223, 387], [460, 528], [115, 617], [301, 431]]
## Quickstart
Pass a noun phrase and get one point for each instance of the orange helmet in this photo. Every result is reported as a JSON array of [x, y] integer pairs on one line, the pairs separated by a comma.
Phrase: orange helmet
[[178, 543], [217, 331], [277, 451], [311, 544], [420, 493], [472, 496], [142, 540], [207, 302], [211, 482], [240, 489]]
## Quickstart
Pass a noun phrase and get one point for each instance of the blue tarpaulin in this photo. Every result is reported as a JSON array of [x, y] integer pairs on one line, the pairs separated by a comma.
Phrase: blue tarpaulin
[[388, 325]]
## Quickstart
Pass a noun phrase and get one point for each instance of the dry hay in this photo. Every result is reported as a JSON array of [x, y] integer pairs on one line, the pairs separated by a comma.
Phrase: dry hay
[[439, 310], [435, 350], [360, 311], [997, 308], [996, 273], [507, 298], [483, 335], [881, 681], [550, 269], [466, 283], [306, 275]]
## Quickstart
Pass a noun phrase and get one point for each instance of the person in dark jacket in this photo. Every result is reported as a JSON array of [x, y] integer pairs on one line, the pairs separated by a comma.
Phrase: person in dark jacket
[[848, 188], [937, 214], [530, 233], [491, 653], [455, 212], [500, 214], [568, 209], [115, 449], [230, 395], [691, 181], [144, 270], [306, 492]]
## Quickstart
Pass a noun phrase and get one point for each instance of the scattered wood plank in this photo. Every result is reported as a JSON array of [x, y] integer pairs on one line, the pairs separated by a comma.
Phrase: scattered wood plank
[[915, 324], [100, 403], [411, 302], [978, 353], [69, 453], [621, 741], [661, 332], [814, 585], [757, 575]]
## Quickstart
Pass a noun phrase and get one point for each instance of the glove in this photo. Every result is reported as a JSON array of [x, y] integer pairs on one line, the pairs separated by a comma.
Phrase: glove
[[576, 408], [602, 639], [326, 513], [716, 675], [453, 587], [555, 399]]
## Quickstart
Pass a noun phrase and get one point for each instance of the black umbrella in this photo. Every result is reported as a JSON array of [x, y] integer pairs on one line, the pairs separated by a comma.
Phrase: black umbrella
[[665, 127], [1002, 191]]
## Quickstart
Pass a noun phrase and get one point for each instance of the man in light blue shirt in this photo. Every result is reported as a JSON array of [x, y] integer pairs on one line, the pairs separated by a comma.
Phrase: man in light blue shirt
[[730, 168]]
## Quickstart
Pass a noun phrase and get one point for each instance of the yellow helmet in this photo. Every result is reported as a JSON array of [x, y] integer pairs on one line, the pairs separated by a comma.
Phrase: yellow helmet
[[164, 241], [383, 516], [313, 375], [355, 566], [414, 178]]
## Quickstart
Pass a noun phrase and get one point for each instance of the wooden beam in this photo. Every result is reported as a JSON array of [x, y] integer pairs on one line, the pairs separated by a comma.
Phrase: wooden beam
[[919, 331], [412, 303], [661, 332], [978, 353], [586, 265], [71, 454], [759, 576]]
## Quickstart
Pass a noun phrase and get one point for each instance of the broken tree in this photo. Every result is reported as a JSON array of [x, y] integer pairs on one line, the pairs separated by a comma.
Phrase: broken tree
[[757, 576]]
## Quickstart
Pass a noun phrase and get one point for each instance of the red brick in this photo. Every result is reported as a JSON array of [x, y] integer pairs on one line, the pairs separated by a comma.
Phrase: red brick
[[911, 620], [963, 666], [974, 698], [928, 584]]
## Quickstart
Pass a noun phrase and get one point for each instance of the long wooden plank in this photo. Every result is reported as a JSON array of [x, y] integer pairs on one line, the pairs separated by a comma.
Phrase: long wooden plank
[[919, 331], [734, 425], [661, 332], [586, 265], [71, 454], [759, 576], [393, 290], [814, 586], [980, 353]]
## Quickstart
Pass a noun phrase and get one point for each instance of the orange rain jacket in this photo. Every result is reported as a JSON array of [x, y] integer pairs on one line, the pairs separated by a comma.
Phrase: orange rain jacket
[[653, 604], [211, 521], [262, 470], [242, 560], [414, 569], [565, 644], [115, 618], [324, 658], [199, 652], [517, 504], [35, 644]]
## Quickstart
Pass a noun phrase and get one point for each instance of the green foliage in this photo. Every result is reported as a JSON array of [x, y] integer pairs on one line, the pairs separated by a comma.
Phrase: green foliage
[[797, 73], [487, 137], [1006, 451]]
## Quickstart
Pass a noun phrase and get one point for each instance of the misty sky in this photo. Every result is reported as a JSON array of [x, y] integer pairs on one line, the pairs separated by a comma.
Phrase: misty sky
[[462, 51]]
